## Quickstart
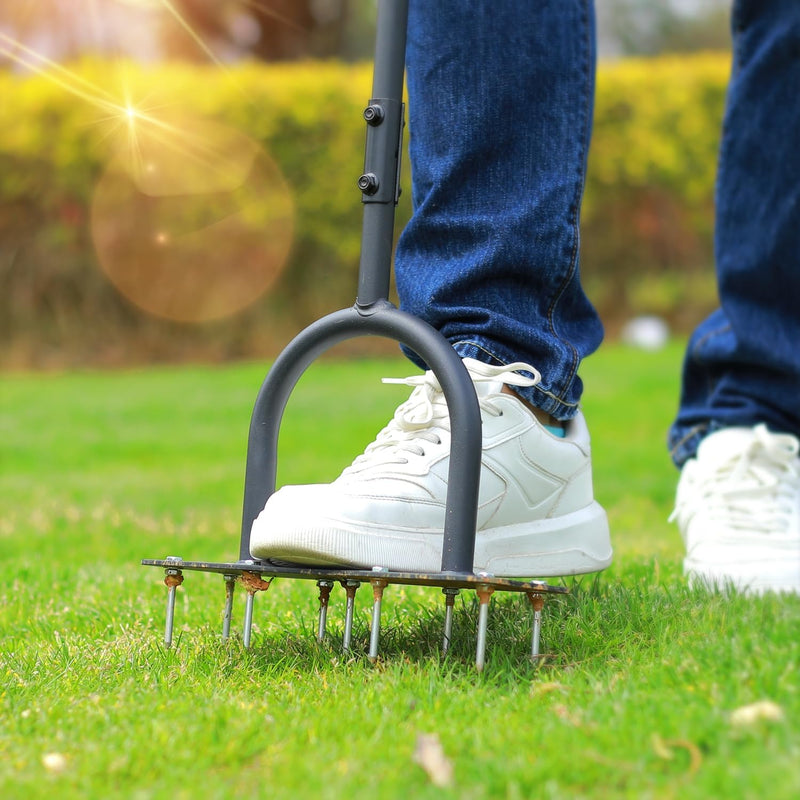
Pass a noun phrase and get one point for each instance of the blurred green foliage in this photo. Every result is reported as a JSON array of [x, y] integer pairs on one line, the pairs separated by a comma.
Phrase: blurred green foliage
[[648, 214], [647, 224]]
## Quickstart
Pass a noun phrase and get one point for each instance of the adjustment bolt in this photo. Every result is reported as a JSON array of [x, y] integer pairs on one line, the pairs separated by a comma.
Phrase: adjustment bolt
[[369, 183], [374, 114]]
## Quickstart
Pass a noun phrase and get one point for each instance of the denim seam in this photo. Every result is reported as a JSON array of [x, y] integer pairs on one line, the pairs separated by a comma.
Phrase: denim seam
[[574, 220], [559, 400], [695, 430], [709, 382], [501, 362], [710, 335], [483, 349]]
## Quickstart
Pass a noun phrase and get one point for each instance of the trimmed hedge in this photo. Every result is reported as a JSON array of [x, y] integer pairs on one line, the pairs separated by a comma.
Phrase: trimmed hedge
[[648, 212], [647, 224]]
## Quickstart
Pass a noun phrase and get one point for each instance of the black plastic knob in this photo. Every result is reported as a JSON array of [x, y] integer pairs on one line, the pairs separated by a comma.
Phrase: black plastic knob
[[369, 183], [374, 114]]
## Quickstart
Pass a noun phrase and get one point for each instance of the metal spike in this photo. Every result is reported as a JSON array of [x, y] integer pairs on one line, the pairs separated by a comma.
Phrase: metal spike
[[537, 601], [253, 583], [449, 604], [484, 596], [350, 587], [227, 614], [173, 578], [324, 596], [375, 630], [248, 619]]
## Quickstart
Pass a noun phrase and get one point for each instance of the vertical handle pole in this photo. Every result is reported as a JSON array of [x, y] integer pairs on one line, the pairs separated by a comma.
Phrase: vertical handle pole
[[380, 180]]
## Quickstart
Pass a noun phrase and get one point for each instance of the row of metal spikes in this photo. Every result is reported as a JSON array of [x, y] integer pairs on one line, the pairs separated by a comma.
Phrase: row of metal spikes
[[253, 583]]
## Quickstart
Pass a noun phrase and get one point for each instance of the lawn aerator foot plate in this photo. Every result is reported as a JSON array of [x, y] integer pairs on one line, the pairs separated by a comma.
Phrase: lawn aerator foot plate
[[257, 576]]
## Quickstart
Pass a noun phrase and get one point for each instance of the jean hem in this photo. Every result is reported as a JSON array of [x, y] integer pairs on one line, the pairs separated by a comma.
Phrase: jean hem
[[683, 442], [537, 395]]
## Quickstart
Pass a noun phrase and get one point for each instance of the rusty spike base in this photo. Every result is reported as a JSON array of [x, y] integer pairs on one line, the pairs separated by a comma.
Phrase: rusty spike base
[[256, 576], [173, 578]]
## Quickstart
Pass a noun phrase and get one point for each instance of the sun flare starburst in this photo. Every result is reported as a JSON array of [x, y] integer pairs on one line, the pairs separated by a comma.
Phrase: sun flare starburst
[[191, 219]]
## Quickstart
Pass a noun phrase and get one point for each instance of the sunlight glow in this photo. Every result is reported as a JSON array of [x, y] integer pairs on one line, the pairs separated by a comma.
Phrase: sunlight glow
[[75, 84], [191, 219], [270, 12], [198, 40]]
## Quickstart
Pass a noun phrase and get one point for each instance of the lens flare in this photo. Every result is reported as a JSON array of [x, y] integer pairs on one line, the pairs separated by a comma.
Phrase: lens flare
[[74, 84], [191, 221]]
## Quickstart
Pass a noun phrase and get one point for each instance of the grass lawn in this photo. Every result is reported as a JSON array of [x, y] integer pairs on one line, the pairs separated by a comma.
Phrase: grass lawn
[[636, 698]]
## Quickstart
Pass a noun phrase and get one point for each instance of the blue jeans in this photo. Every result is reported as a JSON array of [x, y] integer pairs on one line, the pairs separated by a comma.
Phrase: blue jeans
[[500, 105], [500, 101], [742, 365]]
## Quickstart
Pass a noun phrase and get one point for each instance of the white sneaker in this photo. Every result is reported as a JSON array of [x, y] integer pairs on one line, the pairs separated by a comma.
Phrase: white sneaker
[[738, 509], [536, 512]]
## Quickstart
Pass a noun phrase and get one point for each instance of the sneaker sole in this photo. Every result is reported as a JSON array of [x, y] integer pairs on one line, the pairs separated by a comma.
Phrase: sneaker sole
[[755, 577], [570, 544]]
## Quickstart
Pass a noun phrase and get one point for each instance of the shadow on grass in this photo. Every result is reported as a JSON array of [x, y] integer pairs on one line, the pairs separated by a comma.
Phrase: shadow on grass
[[598, 626]]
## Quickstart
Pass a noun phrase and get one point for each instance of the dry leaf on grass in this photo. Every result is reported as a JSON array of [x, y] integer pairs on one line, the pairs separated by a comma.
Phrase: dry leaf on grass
[[664, 748], [429, 754], [750, 714]]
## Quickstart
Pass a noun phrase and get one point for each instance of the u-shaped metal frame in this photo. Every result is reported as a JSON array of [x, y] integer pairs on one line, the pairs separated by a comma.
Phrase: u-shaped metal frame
[[379, 319]]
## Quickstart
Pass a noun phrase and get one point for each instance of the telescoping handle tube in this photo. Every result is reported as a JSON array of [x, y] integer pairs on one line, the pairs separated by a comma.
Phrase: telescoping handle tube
[[380, 181]]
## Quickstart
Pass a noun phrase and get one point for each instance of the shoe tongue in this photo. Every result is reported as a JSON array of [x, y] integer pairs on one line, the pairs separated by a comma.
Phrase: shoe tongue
[[487, 388], [484, 387], [490, 379]]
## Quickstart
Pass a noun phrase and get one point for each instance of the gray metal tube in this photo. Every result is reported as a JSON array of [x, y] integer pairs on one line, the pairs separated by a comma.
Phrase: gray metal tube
[[247, 628], [168, 624], [324, 597], [375, 629], [449, 604], [350, 588], [383, 152], [227, 614], [483, 624], [390, 48], [173, 577], [537, 602]]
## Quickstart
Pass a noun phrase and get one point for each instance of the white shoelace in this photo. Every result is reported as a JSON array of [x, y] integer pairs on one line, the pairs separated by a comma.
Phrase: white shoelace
[[754, 489], [424, 416]]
